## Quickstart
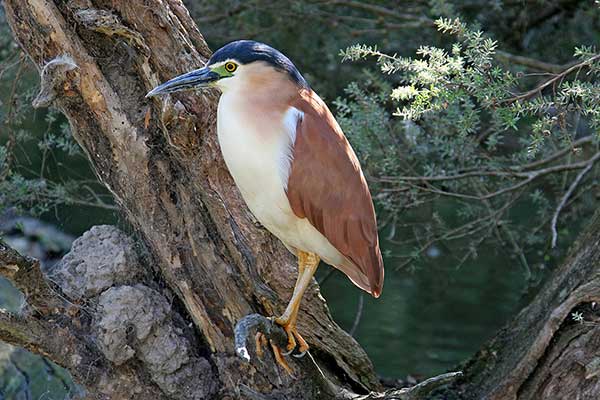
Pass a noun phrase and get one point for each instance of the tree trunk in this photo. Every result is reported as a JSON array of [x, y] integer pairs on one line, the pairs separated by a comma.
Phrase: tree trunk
[[161, 160], [551, 349], [211, 264]]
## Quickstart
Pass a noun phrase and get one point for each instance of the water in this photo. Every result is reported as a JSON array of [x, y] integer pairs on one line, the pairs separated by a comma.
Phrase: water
[[428, 321]]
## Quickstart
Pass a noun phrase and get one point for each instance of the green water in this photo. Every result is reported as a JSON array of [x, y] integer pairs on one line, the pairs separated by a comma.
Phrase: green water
[[428, 321]]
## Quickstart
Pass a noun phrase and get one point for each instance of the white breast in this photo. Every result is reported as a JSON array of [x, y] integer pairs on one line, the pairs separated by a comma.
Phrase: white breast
[[257, 152], [257, 149]]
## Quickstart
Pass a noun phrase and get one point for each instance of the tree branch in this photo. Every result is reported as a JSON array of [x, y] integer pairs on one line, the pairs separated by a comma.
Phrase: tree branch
[[551, 81], [518, 172], [420, 390], [44, 314], [378, 10], [579, 142], [50, 340], [568, 194], [25, 274], [532, 62], [529, 176]]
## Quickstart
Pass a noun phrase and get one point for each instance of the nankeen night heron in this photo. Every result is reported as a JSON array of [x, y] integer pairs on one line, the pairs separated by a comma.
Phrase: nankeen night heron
[[293, 166]]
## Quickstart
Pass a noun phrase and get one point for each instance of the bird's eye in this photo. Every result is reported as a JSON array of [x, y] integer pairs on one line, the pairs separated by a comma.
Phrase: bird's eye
[[230, 66]]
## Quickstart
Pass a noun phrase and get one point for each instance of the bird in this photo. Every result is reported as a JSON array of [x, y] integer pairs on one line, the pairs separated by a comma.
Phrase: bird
[[294, 168]]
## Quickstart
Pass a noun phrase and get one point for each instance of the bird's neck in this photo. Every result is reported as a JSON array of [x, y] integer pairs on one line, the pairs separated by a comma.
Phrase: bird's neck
[[258, 114], [262, 90]]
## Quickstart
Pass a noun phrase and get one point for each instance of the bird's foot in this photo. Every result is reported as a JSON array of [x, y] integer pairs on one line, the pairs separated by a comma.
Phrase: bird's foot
[[280, 358], [260, 341], [295, 340]]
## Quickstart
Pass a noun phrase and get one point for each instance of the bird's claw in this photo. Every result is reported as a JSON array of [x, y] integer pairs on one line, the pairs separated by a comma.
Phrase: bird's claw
[[260, 340], [280, 359], [297, 352], [295, 340], [287, 353], [296, 345], [300, 355]]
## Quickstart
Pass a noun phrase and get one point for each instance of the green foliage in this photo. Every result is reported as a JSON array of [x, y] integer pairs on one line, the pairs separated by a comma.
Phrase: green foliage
[[312, 32], [57, 174], [458, 106], [463, 143]]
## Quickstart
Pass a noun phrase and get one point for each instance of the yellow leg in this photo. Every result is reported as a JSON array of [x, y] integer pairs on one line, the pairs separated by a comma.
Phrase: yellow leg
[[307, 265]]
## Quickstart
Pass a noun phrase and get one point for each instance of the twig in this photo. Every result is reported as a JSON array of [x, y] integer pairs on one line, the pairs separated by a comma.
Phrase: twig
[[518, 250], [568, 194], [437, 178], [558, 154], [12, 140], [212, 19], [420, 390], [377, 10], [551, 81], [531, 176], [99, 204], [359, 311], [468, 229], [520, 172], [532, 63]]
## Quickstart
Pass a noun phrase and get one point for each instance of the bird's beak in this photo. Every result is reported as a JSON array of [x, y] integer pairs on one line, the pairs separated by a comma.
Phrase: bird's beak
[[192, 80]]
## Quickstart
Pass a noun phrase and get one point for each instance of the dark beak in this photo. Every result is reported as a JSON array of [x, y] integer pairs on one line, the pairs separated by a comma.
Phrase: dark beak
[[192, 80]]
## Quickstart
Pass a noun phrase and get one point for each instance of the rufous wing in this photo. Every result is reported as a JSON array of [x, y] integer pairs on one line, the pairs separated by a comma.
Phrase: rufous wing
[[326, 185]]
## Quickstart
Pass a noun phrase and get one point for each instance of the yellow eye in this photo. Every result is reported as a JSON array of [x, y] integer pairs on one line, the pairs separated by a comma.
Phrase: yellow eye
[[230, 66]]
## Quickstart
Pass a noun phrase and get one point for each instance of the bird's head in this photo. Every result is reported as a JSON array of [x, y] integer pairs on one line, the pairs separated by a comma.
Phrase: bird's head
[[238, 63]]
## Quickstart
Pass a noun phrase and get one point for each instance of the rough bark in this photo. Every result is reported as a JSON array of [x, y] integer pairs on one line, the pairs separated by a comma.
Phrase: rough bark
[[96, 315], [210, 263], [160, 159], [100, 314], [550, 350]]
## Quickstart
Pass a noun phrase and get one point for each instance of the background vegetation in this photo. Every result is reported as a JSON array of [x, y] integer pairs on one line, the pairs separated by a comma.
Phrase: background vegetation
[[477, 123]]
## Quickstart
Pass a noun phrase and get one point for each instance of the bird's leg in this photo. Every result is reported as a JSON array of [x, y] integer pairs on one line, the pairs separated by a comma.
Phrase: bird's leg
[[260, 340], [293, 309], [307, 265]]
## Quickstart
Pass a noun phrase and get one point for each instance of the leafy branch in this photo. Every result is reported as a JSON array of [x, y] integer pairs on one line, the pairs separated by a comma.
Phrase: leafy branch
[[475, 132]]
